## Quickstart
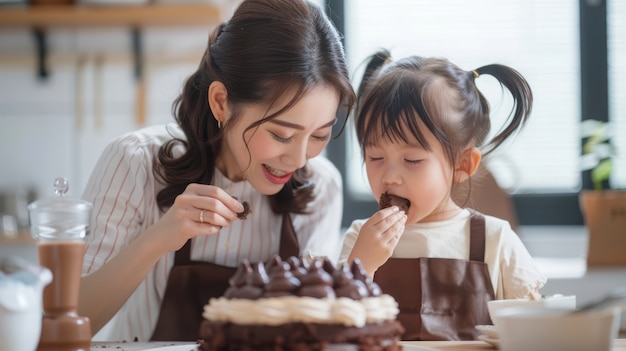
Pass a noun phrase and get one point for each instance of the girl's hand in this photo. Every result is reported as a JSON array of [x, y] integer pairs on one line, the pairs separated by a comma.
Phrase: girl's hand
[[378, 238], [200, 210]]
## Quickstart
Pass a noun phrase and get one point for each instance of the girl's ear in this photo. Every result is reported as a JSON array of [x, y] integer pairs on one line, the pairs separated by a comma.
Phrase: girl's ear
[[218, 101], [467, 165]]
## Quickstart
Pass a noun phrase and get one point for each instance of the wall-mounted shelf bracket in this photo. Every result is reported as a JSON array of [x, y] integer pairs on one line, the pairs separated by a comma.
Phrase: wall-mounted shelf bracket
[[140, 99], [137, 49], [41, 47]]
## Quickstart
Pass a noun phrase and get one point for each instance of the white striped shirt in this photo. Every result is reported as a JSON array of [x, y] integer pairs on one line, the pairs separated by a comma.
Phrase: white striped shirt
[[123, 190]]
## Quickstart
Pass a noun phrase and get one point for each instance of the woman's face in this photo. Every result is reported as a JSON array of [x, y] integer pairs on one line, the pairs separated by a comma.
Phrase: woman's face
[[267, 155], [408, 170]]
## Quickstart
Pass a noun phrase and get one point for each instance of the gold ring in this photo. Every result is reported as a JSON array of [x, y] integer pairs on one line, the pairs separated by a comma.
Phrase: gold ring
[[201, 216]]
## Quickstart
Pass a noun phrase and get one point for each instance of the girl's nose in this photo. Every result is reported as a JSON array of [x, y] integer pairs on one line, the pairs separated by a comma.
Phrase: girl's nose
[[391, 176]]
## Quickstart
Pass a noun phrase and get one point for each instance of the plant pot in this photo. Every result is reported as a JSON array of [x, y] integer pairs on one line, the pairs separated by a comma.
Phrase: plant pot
[[604, 212]]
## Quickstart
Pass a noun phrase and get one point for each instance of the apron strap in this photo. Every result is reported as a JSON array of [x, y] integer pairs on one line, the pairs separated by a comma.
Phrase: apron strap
[[288, 241], [182, 257], [477, 237]]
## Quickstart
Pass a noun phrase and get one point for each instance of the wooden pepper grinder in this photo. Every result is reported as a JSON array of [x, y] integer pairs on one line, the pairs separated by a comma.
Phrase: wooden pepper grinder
[[60, 226]]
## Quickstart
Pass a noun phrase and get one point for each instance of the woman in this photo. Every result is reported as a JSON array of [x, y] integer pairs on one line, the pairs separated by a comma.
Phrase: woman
[[250, 122]]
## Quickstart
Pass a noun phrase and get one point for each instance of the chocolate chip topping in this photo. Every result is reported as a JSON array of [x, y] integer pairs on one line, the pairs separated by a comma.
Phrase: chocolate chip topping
[[361, 275], [298, 267], [282, 282], [317, 282], [272, 264], [301, 276], [388, 200], [239, 278], [347, 286], [255, 280], [259, 276]]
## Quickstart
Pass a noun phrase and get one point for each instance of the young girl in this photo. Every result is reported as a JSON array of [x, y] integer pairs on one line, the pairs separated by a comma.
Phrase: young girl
[[169, 228], [422, 125]]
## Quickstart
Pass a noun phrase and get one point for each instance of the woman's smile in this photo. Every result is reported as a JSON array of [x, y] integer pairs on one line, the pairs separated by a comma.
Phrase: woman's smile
[[276, 176]]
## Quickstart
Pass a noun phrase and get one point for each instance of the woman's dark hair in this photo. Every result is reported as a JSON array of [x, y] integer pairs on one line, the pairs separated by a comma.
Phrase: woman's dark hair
[[397, 94], [265, 49]]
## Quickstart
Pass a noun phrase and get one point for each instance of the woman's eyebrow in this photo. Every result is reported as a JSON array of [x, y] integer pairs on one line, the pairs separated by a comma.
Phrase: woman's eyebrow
[[299, 127]]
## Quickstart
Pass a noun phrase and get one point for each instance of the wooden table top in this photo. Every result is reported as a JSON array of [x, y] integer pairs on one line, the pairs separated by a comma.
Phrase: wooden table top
[[619, 345]]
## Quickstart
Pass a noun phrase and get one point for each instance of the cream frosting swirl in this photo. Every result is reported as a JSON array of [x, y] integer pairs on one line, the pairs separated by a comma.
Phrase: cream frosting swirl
[[294, 309]]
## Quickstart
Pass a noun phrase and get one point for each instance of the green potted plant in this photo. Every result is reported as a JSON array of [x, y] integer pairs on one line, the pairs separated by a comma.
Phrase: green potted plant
[[603, 208], [597, 152]]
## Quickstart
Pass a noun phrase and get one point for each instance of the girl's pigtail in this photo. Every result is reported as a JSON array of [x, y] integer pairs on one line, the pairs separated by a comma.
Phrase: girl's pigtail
[[375, 62], [522, 100]]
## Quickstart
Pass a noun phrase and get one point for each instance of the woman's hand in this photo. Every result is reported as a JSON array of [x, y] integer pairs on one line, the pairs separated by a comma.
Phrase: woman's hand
[[199, 210], [378, 238]]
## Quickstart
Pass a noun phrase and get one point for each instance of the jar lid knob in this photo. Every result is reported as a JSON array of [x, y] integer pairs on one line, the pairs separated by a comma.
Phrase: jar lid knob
[[61, 186]]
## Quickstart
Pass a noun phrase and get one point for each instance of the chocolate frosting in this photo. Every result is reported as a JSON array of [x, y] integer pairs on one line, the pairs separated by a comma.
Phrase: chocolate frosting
[[361, 275], [347, 286], [301, 276], [274, 263], [298, 267], [255, 279], [239, 279], [282, 282], [317, 282]]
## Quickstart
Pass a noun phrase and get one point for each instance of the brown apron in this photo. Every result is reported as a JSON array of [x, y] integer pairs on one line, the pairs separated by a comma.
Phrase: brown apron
[[441, 298], [191, 284]]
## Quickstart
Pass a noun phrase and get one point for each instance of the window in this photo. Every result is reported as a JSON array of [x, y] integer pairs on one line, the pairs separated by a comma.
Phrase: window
[[616, 33], [539, 38]]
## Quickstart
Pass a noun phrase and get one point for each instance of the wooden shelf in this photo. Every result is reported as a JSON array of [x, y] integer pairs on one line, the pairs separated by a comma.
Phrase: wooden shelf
[[21, 238], [108, 16]]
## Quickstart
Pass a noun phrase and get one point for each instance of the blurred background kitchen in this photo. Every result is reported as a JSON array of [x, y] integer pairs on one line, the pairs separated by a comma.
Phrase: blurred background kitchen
[[74, 76]]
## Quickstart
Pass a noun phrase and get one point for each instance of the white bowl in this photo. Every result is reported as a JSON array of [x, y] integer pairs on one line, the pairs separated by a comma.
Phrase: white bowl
[[549, 329], [554, 301], [489, 331]]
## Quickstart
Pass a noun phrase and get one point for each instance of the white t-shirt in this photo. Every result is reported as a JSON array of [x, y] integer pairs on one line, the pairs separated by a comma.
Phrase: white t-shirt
[[512, 270], [123, 190]]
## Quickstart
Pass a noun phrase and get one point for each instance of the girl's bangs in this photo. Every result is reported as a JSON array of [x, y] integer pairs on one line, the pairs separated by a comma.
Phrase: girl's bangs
[[395, 122]]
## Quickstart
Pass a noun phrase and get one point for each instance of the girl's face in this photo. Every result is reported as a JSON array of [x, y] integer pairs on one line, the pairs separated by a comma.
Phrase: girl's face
[[408, 170], [267, 155]]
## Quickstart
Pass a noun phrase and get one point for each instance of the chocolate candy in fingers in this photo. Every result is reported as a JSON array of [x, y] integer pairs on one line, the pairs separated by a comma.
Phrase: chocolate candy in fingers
[[246, 211], [388, 200]]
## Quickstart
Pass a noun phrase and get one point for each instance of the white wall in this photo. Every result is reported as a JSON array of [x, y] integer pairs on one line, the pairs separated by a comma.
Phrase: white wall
[[50, 127]]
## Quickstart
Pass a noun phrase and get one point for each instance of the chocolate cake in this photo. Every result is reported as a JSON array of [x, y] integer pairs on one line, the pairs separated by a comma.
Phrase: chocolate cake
[[388, 200], [301, 304]]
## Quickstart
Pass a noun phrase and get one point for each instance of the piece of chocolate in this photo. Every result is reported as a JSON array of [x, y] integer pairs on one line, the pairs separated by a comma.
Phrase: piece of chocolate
[[388, 200], [246, 211]]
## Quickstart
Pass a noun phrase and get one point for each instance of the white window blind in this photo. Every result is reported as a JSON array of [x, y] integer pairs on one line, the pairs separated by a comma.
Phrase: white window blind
[[616, 32], [539, 38]]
